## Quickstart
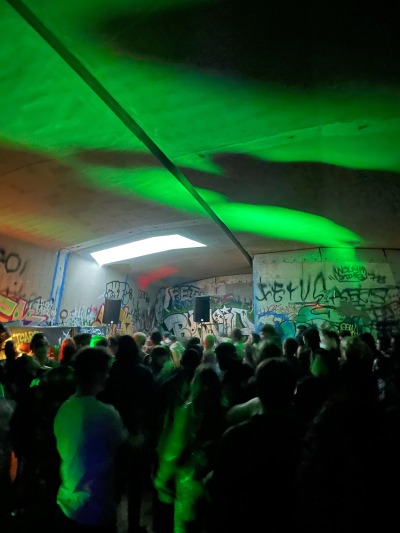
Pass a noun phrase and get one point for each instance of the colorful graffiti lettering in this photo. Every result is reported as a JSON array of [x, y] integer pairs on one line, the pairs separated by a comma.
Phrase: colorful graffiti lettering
[[126, 321], [23, 337], [318, 299], [37, 311]]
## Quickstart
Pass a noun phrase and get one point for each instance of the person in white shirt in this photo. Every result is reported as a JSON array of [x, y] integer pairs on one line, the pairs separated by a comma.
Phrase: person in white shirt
[[88, 434]]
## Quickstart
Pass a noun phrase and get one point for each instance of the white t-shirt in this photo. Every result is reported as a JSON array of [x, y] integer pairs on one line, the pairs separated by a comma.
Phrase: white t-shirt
[[88, 433]]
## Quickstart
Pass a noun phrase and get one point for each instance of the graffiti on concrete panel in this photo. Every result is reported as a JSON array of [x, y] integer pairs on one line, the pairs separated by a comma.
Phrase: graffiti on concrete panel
[[126, 321], [24, 337], [12, 262], [12, 266], [356, 272], [37, 311], [229, 318], [351, 298], [119, 290], [181, 325], [142, 295], [305, 288], [81, 316], [174, 312], [180, 297]]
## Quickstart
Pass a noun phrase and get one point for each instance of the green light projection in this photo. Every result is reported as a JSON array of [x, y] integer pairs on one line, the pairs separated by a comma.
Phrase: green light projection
[[185, 112], [269, 221], [44, 105]]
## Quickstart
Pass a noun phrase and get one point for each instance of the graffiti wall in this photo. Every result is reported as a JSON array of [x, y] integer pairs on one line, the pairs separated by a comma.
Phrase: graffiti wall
[[86, 288], [231, 303], [354, 296], [55, 335], [37, 288], [25, 283]]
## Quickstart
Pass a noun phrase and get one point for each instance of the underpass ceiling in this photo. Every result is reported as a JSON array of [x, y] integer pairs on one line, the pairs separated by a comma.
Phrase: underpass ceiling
[[285, 120]]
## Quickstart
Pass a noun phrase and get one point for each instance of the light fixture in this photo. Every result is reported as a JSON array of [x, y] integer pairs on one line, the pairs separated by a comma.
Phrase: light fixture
[[143, 247]]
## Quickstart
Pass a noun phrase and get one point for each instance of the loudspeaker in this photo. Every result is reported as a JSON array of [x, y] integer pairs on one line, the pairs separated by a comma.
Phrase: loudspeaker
[[112, 309], [201, 311]]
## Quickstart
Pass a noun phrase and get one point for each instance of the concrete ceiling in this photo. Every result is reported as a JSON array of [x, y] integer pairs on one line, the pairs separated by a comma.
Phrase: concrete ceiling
[[250, 127]]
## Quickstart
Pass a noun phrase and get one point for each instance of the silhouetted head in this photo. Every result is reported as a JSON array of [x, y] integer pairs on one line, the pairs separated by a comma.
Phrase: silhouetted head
[[190, 359], [159, 356], [330, 339], [236, 335], [354, 349], [69, 353], [112, 343], [226, 355], [311, 338], [268, 350], [156, 337], [275, 383], [140, 339], [82, 339], [268, 331], [206, 387], [209, 342], [290, 347], [10, 351], [128, 351], [40, 350], [99, 340], [37, 338], [195, 343], [369, 340], [254, 338], [91, 367], [383, 343], [395, 344]]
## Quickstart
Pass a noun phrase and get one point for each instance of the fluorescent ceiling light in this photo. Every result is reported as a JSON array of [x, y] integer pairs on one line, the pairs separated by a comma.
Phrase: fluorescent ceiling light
[[144, 247]]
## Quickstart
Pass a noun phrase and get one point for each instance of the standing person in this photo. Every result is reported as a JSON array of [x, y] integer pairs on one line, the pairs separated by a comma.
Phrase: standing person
[[140, 338], [253, 486], [88, 435], [209, 357], [237, 339], [130, 389], [40, 354], [82, 340]]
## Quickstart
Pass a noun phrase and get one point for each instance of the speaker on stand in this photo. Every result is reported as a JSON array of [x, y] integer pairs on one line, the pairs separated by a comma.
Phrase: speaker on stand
[[112, 309], [201, 312]]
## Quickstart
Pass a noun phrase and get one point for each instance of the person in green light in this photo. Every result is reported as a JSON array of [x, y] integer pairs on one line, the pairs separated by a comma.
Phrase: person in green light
[[253, 484], [98, 340], [187, 450], [88, 435]]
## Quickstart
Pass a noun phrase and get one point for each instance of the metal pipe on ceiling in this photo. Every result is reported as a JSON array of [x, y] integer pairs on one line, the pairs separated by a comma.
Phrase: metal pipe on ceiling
[[82, 71]]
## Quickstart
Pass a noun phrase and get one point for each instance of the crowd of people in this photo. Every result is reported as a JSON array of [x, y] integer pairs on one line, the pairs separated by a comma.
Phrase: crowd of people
[[200, 435]]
